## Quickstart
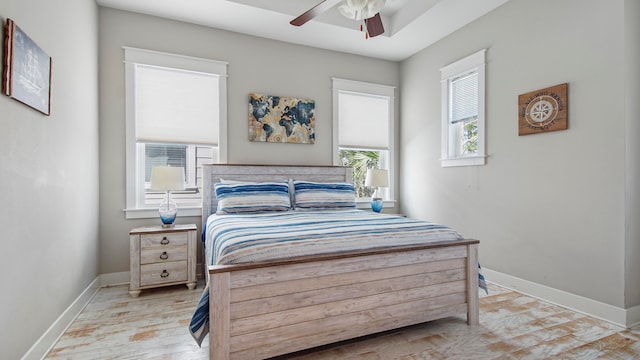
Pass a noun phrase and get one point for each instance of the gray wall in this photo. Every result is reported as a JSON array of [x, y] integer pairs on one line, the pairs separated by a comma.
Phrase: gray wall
[[632, 122], [548, 208], [49, 171], [255, 65]]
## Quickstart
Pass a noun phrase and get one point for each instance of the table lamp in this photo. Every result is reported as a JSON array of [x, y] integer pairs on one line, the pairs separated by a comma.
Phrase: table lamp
[[376, 178], [167, 178]]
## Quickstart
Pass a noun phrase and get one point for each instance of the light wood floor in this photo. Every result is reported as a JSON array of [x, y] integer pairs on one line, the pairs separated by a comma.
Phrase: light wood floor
[[512, 326]]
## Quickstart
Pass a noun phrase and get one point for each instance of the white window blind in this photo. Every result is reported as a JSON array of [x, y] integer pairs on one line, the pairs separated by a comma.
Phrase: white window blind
[[363, 121], [176, 106], [464, 98], [463, 105]]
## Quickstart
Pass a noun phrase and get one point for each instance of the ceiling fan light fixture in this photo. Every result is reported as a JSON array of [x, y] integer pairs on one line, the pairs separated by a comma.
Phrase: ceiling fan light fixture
[[360, 9], [356, 4], [365, 11], [374, 7]]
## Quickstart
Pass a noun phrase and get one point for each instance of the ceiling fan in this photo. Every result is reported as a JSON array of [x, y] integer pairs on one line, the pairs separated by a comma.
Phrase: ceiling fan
[[367, 11]]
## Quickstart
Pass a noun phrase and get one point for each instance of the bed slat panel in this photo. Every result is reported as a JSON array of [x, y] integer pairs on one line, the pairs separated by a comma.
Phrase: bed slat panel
[[338, 266], [311, 282], [291, 171], [331, 329], [342, 307], [371, 303], [381, 280]]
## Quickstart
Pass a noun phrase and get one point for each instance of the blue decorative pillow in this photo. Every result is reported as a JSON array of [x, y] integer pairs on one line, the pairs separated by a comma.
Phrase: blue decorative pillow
[[323, 196], [242, 198]]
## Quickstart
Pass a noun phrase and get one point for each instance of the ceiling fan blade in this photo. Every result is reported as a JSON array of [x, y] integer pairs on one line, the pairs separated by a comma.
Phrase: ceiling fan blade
[[374, 25], [314, 11]]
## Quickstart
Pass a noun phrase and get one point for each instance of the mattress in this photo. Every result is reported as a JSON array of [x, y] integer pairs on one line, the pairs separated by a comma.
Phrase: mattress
[[234, 239]]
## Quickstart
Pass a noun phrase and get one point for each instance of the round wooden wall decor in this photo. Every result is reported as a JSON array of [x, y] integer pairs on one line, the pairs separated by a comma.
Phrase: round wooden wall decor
[[543, 110]]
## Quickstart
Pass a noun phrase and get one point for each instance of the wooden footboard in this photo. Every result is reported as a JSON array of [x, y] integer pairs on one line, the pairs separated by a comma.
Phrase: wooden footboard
[[264, 310]]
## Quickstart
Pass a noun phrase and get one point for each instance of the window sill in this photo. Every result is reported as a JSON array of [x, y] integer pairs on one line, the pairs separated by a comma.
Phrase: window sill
[[464, 161], [366, 204], [152, 213]]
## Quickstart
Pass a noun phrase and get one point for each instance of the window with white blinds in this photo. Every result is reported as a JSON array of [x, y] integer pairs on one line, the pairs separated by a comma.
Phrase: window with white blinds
[[363, 123], [176, 116], [463, 112]]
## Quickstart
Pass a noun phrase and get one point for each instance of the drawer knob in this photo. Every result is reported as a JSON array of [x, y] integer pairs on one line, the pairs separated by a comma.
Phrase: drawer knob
[[164, 241], [164, 256], [164, 274]]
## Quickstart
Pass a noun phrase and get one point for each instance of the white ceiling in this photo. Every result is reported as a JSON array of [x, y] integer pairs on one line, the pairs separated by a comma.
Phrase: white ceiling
[[410, 25]]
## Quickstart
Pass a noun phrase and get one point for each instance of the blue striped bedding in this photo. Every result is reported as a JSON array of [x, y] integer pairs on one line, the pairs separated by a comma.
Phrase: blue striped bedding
[[243, 198], [323, 196], [233, 239]]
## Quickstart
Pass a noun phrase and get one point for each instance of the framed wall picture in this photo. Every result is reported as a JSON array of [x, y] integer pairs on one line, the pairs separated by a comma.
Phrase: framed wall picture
[[543, 110], [27, 70], [281, 119]]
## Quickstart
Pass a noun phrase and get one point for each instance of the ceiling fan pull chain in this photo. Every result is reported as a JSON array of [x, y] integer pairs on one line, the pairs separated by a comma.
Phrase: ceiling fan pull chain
[[363, 27]]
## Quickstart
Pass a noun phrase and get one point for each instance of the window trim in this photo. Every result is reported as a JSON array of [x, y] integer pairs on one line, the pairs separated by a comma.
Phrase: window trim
[[472, 63], [344, 85], [133, 56]]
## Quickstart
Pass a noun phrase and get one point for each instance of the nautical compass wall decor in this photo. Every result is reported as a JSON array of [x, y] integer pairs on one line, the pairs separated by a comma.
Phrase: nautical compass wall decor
[[543, 110]]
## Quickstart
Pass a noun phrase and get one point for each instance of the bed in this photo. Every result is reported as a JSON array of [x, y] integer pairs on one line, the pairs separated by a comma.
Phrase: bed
[[260, 308]]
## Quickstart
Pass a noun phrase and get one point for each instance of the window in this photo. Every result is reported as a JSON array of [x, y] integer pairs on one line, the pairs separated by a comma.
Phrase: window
[[175, 115], [463, 111], [363, 116]]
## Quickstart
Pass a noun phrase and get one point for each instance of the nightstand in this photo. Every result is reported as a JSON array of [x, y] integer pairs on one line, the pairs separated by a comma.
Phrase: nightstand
[[161, 256]]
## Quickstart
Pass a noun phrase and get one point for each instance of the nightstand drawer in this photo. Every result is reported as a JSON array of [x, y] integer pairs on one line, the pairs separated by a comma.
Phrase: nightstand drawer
[[163, 239], [168, 272], [162, 254]]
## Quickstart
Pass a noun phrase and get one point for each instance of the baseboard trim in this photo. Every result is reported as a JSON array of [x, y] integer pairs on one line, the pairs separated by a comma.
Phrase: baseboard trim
[[633, 316], [615, 315], [115, 279], [44, 344], [200, 271]]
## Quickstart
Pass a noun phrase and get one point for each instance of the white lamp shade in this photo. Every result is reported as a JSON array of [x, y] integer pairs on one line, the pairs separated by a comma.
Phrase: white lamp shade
[[377, 178], [167, 178]]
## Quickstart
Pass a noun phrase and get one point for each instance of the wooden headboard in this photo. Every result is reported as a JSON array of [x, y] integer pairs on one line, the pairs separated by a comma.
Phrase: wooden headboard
[[213, 173]]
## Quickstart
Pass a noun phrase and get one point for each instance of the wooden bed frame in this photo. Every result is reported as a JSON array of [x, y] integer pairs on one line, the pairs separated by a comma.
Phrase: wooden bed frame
[[262, 310]]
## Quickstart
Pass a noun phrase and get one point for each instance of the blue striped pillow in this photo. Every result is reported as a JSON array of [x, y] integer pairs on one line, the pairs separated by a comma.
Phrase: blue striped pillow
[[241, 198], [323, 196]]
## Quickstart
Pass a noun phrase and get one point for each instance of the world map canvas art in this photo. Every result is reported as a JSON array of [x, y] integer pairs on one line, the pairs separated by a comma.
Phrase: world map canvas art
[[281, 119]]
